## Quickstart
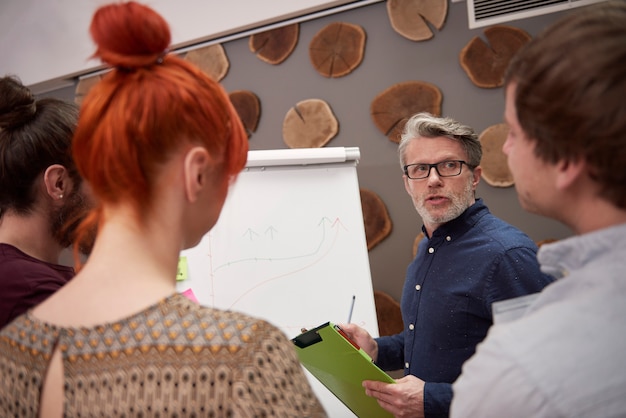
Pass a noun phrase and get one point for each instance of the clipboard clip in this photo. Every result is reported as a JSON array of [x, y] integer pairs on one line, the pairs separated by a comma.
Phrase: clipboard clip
[[308, 338]]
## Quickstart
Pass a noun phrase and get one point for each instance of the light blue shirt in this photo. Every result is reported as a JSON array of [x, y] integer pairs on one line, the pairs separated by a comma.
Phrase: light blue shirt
[[566, 356]]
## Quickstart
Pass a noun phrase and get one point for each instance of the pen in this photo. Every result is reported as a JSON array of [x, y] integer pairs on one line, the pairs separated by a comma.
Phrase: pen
[[351, 308]]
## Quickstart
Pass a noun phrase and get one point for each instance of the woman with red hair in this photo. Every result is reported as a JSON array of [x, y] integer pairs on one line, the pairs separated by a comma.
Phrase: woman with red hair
[[159, 143]]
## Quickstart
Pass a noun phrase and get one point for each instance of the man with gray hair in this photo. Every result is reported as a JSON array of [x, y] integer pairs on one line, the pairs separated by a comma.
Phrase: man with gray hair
[[468, 260]]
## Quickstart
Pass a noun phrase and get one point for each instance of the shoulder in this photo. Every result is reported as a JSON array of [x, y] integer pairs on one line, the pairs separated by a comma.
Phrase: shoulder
[[25, 283], [222, 327], [27, 334], [20, 269], [502, 234], [520, 365]]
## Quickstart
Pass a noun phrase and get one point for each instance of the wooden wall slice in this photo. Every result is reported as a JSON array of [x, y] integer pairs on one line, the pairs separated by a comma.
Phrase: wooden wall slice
[[375, 217], [211, 59], [495, 168], [410, 18], [274, 46], [309, 124], [391, 109], [416, 243], [388, 313], [485, 64], [337, 49], [248, 107]]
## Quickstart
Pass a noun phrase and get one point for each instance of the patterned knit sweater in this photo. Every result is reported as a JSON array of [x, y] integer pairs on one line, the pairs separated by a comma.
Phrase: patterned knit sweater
[[174, 359]]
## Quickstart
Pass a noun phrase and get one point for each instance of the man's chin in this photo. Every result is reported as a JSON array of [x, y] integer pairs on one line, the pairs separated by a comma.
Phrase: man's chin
[[433, 214]]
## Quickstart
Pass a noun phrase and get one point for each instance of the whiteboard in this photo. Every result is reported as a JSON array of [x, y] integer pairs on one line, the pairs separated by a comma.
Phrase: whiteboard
[[290, 247]]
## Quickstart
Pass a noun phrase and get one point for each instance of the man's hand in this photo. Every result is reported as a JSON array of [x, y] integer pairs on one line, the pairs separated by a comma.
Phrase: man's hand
[[362, 338], [403, 399]]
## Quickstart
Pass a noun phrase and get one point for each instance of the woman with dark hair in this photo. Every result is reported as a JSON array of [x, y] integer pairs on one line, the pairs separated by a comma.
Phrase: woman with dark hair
[[160, 144], [42, 196]]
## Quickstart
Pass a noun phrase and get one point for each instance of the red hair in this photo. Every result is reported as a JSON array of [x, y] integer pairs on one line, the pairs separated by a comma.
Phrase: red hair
[[149, 106]]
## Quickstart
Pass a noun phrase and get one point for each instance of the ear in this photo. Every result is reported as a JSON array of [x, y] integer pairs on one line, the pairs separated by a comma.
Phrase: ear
[[568, 172], [406, 184], [477, 172], [57, 181], [197, 162]]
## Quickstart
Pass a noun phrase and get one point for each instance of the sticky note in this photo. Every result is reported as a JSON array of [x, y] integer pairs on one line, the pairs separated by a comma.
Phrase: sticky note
[[182, 273], [190, 295]]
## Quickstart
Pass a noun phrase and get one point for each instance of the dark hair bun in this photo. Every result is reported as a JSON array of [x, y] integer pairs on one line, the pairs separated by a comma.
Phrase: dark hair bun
[[17, 103], [129, 35]]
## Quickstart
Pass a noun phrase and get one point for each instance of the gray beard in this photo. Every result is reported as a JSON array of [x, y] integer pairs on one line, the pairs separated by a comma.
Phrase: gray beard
[[458, 205]]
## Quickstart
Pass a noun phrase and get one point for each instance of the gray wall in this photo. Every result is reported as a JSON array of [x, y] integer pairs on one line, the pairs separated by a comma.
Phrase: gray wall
[[389, 59]]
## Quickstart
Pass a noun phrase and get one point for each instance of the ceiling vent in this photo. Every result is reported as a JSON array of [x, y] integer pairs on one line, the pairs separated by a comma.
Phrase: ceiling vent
[[490, 12]]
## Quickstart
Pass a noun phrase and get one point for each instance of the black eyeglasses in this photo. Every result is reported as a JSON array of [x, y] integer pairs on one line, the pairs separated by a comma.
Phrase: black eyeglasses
[[449, 168]]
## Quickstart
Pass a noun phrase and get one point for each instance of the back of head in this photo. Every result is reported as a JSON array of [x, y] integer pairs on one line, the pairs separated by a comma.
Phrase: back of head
[[34, 134], [149, 106], [425, 125], [571, 81]]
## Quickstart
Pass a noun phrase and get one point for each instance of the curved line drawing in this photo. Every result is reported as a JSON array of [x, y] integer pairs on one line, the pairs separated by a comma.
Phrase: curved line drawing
[[337, 225], [249, 232]]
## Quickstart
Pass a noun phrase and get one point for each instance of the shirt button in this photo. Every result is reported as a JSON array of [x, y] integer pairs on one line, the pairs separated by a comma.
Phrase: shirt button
[[431, 250], [448, 238], [418, 287], [406, 365], [411, 327]]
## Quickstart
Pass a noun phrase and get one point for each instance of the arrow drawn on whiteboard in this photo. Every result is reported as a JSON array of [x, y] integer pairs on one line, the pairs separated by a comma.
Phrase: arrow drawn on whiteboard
[[336, 225], [249, 232], [270, 231]]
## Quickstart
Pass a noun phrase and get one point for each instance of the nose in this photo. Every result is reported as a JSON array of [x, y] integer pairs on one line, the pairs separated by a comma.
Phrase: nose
[[433, 176]]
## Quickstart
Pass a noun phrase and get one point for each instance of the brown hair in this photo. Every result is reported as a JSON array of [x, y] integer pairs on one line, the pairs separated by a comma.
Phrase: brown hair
[[149, 106], [34, 134], [570, 85]]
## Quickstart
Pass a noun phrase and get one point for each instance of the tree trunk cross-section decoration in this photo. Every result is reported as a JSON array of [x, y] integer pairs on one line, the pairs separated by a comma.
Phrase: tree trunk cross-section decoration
[[211, 59], [393, 107], [309, 124], [248, 107], [337, 49], [410, 18], [495, 168], [375, 218], [274, 46], [485, 64]]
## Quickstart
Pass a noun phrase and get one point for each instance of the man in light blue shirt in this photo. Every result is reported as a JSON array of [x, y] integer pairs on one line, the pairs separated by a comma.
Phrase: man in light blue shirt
[[565, 106]]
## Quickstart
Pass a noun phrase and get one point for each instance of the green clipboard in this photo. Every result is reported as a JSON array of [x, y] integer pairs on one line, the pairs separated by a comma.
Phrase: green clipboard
[[341, 365]]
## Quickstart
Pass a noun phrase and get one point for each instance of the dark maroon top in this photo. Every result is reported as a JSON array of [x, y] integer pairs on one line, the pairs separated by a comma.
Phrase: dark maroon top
[[26, 281]]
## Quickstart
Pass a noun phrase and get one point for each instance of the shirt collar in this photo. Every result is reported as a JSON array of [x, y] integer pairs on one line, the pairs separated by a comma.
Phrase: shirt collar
[[561, 257]]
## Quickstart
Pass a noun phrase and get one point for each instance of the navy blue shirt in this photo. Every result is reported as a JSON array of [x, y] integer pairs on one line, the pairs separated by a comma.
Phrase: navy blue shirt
[[468, 263]]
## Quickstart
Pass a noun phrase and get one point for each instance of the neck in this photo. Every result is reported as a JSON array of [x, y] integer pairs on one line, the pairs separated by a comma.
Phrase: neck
[[580, 206], [132, 265], [143, 253], [31, 235], [594, 215]]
